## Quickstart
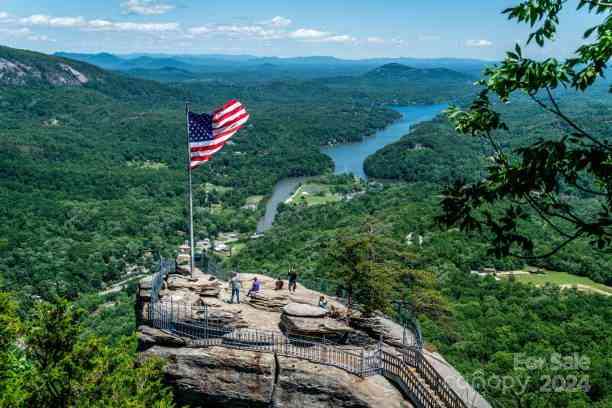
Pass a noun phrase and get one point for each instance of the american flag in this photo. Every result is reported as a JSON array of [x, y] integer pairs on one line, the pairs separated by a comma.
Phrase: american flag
[[208, 133]]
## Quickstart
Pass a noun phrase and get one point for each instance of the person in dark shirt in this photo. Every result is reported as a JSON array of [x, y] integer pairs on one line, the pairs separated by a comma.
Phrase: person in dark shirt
[[255, 287], [292, 280]]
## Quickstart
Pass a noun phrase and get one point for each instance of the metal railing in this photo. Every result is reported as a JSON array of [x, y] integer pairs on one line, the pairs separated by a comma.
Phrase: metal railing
[[443, 391], [410, 370], [194, 322], [165, 267]]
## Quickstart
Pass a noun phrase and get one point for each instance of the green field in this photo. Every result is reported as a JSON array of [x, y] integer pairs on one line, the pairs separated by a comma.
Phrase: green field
[[255, 199], [565, 279], [314, 194]]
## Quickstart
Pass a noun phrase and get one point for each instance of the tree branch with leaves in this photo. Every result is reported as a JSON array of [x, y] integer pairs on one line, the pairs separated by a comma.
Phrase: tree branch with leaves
[[534, 179]]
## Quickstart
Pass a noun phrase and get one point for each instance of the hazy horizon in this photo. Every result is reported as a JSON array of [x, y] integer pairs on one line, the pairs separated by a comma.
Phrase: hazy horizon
[[342, 29]]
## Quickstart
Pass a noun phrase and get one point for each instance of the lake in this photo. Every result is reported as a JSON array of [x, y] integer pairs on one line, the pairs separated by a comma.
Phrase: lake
[[349, 157]]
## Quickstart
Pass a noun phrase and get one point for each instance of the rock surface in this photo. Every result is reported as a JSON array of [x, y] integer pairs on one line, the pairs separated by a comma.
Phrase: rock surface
[[220, 377], [303, 310], [271, 301], [313, 326], [202, 287]]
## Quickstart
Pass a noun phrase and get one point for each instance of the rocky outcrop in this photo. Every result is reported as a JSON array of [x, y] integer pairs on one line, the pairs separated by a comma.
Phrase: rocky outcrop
[[270, 301], [220, 377], [314, 326], [206, 288], [149, 337], [304, 384], [379, 326], [304, 310]]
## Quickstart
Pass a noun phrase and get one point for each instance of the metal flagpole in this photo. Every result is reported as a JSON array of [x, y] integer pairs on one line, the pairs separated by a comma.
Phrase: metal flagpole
[[191, 254]]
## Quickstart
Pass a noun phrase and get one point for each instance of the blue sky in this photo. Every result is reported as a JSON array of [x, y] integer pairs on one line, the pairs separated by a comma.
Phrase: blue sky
[[342, 28]]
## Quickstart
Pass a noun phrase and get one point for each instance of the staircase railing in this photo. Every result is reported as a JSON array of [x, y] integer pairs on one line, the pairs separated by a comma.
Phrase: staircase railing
[[416, 359]]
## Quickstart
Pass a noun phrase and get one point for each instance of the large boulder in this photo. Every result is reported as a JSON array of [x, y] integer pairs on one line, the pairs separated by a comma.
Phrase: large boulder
[[303, 310], [203, 287], [271, 301], [301, 383], [218, 377], [379, 326], [149, 337], [221, 377], [313, 326]]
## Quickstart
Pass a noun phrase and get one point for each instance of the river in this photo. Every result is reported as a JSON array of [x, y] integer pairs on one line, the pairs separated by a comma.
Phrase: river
[[349, 157]]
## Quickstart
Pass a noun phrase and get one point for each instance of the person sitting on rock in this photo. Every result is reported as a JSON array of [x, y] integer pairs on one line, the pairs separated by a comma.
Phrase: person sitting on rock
[[255, 287], [323, 302], [235, 286], [279, 284]]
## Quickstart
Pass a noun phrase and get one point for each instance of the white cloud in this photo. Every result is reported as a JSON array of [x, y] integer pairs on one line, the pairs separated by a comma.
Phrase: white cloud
[[200, 30], [246, 31], [15, 32], [278, 22], [42, 38], [146, 7], [338, 39], [308, 34], [104, 25], [375, 40], [3, 15], [99, 25], [63, 22], [478, 43]]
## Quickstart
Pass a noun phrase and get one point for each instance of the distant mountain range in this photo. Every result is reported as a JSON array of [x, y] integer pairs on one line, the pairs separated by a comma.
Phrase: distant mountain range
[[316, 66]]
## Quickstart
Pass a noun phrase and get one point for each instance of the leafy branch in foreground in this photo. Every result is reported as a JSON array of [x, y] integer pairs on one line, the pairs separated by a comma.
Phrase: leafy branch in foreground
[[536, 179]]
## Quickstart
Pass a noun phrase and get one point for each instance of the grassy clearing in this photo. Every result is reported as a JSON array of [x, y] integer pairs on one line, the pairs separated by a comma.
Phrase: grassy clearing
[[314, 194], [566, 280], [254, 200]]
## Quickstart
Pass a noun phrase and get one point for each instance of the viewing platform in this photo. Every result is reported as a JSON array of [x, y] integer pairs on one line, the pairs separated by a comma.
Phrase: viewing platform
[[370, 359]]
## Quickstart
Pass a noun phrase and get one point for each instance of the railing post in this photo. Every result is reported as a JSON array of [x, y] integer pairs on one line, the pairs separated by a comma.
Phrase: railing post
[[379, 354], [362, 373]]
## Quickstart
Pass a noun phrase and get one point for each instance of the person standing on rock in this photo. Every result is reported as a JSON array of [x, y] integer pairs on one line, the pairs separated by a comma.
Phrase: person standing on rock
[[235, 286], [292, 280]]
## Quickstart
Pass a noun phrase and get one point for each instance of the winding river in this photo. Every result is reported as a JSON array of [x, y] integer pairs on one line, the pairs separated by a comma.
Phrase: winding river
[[349, 157]]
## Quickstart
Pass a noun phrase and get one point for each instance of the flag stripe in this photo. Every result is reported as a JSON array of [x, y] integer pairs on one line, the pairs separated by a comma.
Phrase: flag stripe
[[226, 114], [228, 120], [224, 111], [208, 133], [228, 126], [210, 152]]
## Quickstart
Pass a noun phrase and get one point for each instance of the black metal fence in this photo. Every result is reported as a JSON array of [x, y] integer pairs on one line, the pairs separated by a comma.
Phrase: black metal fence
[[193, 322], [165, 267], [409, 369]]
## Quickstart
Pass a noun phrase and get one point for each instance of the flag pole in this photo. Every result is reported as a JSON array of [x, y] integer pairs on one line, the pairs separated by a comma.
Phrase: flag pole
[[191, 254]]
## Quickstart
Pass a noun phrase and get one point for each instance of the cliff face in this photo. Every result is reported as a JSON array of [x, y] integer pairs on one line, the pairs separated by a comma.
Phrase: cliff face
[[223, 377]]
